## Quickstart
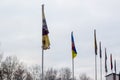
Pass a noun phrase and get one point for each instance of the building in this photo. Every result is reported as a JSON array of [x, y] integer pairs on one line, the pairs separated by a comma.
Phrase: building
[[113, 76]]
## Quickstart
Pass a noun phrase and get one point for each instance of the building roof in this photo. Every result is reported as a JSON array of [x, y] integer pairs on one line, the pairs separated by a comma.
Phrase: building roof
[[112, 74]]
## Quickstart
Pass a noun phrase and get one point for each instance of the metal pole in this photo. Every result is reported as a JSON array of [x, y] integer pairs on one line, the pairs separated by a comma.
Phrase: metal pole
[[101, 68], [106, 64], [119, 75], [106, 75], [42, 64], [100, 51], [95, 41], [42, 45], [115, 68], [95, 68], [73, 68]]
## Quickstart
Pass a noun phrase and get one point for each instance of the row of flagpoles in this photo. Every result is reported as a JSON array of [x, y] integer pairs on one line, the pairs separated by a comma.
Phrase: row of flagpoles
[[100, 53], [46, 45]]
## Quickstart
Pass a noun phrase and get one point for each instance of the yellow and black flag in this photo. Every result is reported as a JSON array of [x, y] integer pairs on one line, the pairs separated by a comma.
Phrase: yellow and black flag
[[45, 32]]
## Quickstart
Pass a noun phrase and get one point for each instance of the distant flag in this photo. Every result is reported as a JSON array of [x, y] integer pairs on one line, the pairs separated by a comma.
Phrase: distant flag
[[100, 50], [111, 61], [95, 42], [115, 66], [106, 61], [45, 32], [74, 52]]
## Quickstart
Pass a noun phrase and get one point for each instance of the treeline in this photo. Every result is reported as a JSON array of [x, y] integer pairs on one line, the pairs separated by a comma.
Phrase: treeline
[[12, 69]]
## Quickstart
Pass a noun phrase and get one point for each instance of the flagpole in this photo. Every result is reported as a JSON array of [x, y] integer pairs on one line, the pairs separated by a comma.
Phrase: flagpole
[[73, 68], [42, 43], [42, 64], [95, 45], [45, 39], [119, 75], [115, 66], [100, 51], [111, 63], [106, 76], [95, 68], [105, 62], [101, 67], [74, 54]]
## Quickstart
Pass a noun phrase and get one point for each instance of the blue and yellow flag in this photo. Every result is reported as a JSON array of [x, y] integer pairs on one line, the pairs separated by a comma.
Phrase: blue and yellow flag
[[45, 32], [74, 52]]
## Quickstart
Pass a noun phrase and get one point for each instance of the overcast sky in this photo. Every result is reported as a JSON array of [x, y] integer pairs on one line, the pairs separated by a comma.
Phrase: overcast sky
[[21, 26]]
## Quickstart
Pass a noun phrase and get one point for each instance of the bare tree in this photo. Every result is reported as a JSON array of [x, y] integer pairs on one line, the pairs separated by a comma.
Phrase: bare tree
[[28, 76], [1, 56], [84, 77], [65, 74], [51, 74], [19, 73], [36, 72], [1, 72], [9, 66]]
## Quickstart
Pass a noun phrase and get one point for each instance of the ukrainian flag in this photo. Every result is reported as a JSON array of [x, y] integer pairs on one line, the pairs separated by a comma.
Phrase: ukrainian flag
[[45, 32], [74, 52]]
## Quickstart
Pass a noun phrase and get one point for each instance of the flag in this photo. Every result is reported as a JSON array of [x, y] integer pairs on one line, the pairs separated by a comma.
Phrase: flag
[[95, 42], [100, 50], [106, 61], [45, 32], [115, 65], [74, 52], [111, 61]]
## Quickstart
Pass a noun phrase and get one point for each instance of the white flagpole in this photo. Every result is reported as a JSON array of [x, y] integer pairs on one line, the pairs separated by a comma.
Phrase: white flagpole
[[105, 63], [100, 51], [42, 64], [73, 68], [95, 68], [101, 67], [42, 47], [95, 54]]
